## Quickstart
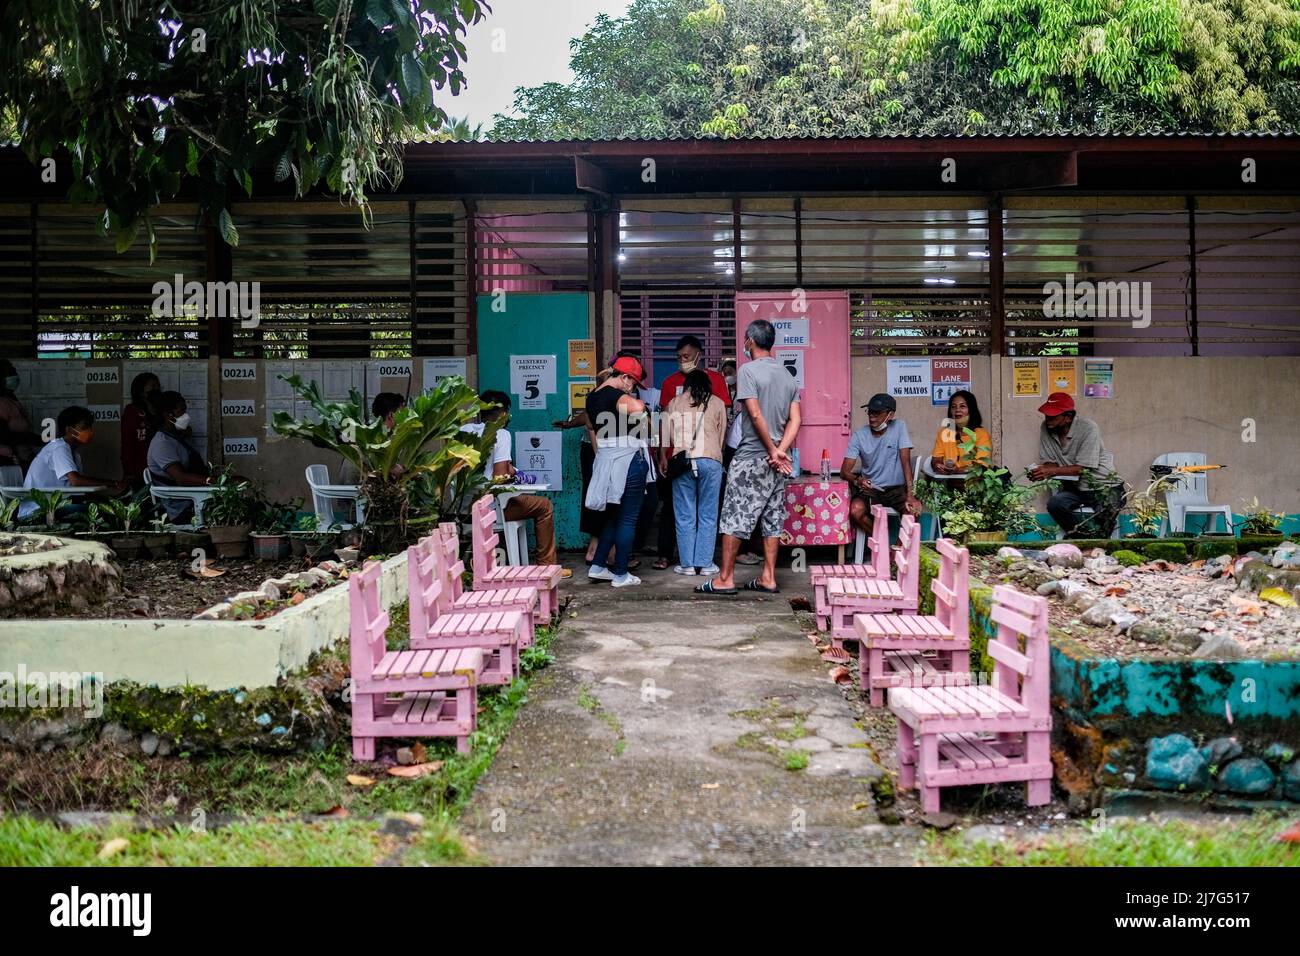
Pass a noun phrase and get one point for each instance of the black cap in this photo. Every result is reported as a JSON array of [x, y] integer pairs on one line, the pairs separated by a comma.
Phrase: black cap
[[880, 402]]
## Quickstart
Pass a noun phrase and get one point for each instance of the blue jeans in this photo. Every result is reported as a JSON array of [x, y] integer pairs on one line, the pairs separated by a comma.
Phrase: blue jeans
[[620, 522], [695, 507]]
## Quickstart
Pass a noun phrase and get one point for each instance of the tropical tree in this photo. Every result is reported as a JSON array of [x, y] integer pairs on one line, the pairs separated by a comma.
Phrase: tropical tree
[[152, 98], [426, 449]]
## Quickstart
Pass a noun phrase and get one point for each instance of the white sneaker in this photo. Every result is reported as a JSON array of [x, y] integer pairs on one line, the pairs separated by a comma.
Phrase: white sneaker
[[712, 570], [626, 581], [597, 573], [681, 570]]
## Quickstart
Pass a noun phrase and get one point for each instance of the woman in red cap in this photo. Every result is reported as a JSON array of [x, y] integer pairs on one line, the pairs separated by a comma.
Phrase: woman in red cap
[[622, 465]]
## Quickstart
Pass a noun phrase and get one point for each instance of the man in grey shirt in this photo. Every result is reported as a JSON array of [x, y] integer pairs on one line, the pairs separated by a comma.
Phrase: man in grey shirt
[[1071, 448], [755, 496]]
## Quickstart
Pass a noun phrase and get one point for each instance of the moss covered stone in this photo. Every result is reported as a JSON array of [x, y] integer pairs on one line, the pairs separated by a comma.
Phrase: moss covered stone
[[1128, 558], [1208, 549], [1175, 551]]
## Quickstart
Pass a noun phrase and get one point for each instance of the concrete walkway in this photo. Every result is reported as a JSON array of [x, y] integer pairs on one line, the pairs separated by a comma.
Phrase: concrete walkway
[[663, 733]]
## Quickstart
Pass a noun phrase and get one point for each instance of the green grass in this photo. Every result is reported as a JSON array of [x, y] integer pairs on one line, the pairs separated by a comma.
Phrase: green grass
[[25, 841], [256, 785], [592, 705], [1217, 841], [796, 759]]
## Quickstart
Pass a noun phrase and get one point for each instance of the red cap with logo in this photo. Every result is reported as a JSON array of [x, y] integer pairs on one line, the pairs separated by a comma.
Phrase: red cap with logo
[[1057, 403], [629, 366]]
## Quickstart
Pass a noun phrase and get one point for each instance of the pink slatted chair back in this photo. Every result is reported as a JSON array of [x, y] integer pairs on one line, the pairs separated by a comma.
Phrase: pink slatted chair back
[[952, 589], [879, 541], [367, 623], [1022, 674], [483, 517], [453, 566], [908, 557], [425, 587]]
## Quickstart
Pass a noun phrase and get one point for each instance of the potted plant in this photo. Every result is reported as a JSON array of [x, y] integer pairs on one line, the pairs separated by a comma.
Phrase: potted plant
[[228, 515], [986, 507], [307, 539], [1259, 522], [49, 503], [271, 535], [1148, 506], [96, 524], [160, 538], [125, 545]]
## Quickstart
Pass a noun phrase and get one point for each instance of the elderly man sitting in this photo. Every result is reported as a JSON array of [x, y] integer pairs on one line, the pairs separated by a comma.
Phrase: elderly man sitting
[[1071, 448]]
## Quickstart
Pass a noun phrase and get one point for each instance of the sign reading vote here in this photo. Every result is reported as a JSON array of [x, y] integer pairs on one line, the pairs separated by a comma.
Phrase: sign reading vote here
[[792, 332]]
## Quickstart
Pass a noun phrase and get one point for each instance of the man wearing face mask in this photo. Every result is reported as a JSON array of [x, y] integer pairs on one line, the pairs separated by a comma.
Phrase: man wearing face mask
[[58, 465], [878, 463], [18, 443], [172, 459]]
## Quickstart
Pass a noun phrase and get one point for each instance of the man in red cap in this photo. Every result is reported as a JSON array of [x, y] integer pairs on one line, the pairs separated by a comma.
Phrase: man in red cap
[[1070, 449]]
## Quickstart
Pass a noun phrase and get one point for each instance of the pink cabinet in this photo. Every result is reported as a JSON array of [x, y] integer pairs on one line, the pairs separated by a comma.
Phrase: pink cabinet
[[812, 341]]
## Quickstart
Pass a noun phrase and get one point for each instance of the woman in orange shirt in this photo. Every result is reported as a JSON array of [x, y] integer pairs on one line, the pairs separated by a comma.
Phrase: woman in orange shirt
[[948, 458]]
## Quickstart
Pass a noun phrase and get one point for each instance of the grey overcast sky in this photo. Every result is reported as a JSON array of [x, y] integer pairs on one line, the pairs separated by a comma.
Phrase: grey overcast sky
[[535, 35]]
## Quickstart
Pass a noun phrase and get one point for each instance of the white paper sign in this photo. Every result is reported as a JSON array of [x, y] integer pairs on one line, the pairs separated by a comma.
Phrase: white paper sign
[[909, 377], [792, 332], [792, 361], [337, 380], [278, 390], [239, 372], [238, 408], [436, 368], [532, 378], [541, 454], [239, 447], [193, 379], [106, 413]]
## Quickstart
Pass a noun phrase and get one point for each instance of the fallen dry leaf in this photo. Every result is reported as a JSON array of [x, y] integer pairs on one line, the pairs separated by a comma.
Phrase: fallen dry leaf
[[1116, 590], [359, 781], [1250, 610], [1291, 834], [298, 598], [835, 654], [415, 770], [113, 847], [206, 571], [335, 811], [1197, 564], [861, 805], [710, 786], [813, 638], [840, 675], [419, 752]]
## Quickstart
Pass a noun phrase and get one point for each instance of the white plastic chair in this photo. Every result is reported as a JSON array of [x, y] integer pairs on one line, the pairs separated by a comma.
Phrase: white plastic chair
[[198, 497], [323, 493], [514, 534], [860, 541], [1191, 495], [926, 467]]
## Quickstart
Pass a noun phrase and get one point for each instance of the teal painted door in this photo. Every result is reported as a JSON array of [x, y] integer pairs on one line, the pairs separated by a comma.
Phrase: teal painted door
[[533, 324]]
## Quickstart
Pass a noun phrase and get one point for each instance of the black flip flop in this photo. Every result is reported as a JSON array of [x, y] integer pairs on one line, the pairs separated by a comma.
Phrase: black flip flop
[[755, 586], [708, 588]]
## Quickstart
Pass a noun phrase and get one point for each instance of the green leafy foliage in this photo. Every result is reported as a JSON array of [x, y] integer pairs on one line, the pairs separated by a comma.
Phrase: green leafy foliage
[[125, 513], [152, 99], [49, 503], [233, 502], [424, 459], [734, 68], [987, 501]]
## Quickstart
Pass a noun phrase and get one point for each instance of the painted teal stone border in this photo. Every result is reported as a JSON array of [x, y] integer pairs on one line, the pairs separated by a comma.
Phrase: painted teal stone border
[[1139, 690]]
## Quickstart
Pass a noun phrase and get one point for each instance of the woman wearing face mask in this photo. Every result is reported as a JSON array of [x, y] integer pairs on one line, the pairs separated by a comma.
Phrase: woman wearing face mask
[[963, 415], [59, 463], [138, 427], [622, 465], [18, 443], [172, 459]]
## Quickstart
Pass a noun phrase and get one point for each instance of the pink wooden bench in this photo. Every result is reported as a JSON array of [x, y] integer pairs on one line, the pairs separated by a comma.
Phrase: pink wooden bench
[[916, 650], [488, 576], [847, 597], [878, 568], [429, 693], [989, 733], [498, 633], [455, 598]]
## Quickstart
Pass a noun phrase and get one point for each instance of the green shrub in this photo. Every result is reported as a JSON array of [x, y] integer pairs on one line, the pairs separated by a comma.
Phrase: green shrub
[[1209, 550], [1128, 558], [1175, 551]]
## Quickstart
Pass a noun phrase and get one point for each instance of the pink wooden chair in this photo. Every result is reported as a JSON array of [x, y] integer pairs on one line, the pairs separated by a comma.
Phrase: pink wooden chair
[[917, 650], [848, 597], [954, 736], [454, 597], [498, 633], [426, 693], [878, 568], [489, 577]]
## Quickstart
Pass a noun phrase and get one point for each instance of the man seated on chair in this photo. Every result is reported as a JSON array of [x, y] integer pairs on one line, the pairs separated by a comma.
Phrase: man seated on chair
[[172, 459], [500, 465], [58, 464], [878, 464], [1071, 448]]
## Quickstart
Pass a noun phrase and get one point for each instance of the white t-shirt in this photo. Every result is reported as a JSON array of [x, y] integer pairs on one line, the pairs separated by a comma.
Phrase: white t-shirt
[[501, 450], [49, 469]]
